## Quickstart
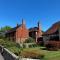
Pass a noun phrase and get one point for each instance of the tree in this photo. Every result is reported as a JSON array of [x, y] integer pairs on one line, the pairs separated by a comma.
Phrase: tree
[[5, 28]]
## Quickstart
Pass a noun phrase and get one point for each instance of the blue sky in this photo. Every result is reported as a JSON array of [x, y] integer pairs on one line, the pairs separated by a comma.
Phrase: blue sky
[[32, 11]]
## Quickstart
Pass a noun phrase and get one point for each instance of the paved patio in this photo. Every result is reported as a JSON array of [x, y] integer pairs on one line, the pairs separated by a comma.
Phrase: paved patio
[[1, 57]]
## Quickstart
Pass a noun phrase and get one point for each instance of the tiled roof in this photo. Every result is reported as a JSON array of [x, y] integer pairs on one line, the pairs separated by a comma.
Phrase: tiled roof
[[33, 29], [53, 29]]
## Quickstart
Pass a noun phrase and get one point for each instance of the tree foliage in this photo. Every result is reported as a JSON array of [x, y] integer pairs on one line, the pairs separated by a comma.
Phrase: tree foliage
[[5, 28]]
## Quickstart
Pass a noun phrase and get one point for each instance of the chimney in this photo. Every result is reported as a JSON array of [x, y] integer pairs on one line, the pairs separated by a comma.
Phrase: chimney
[[39, 30], [23, 22], [17, 24], [38, 25]]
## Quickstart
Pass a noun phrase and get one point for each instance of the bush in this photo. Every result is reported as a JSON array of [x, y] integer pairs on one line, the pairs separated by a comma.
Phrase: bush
[[34, 54], [52, 45], [12, 46], [15, 50], [2, 42], [32, 45], [29, 40]]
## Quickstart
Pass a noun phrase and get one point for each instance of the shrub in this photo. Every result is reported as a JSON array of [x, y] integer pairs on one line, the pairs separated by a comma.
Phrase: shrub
[[15, 50], [52, 45], [32, 45], [29, 40], [2, 42], [12, 46]]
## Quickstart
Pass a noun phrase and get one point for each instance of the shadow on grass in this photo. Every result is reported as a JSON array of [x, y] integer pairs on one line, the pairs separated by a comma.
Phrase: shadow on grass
[[43, 48]]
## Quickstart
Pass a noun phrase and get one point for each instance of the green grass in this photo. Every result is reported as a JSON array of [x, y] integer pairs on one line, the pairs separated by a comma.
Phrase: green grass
[[49, 55], [52, 55]]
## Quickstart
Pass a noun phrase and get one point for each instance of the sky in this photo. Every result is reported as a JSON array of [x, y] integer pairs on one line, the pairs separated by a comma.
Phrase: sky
[[32, 11]]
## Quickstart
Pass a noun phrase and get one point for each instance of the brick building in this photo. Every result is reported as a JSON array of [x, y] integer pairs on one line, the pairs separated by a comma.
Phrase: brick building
[[18, 34], [53, 33], [36, 32]]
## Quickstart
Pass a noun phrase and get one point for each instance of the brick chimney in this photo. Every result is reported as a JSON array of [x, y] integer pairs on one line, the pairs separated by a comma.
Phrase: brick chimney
[[17, 25], [39, 32], [23, 22]]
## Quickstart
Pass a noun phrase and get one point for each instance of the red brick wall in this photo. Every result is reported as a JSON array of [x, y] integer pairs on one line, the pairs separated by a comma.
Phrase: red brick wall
[[21, 34], [39, 33]]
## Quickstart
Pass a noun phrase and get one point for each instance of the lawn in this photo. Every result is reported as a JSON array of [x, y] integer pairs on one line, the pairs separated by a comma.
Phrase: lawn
[[52, 55], [49, 55]]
